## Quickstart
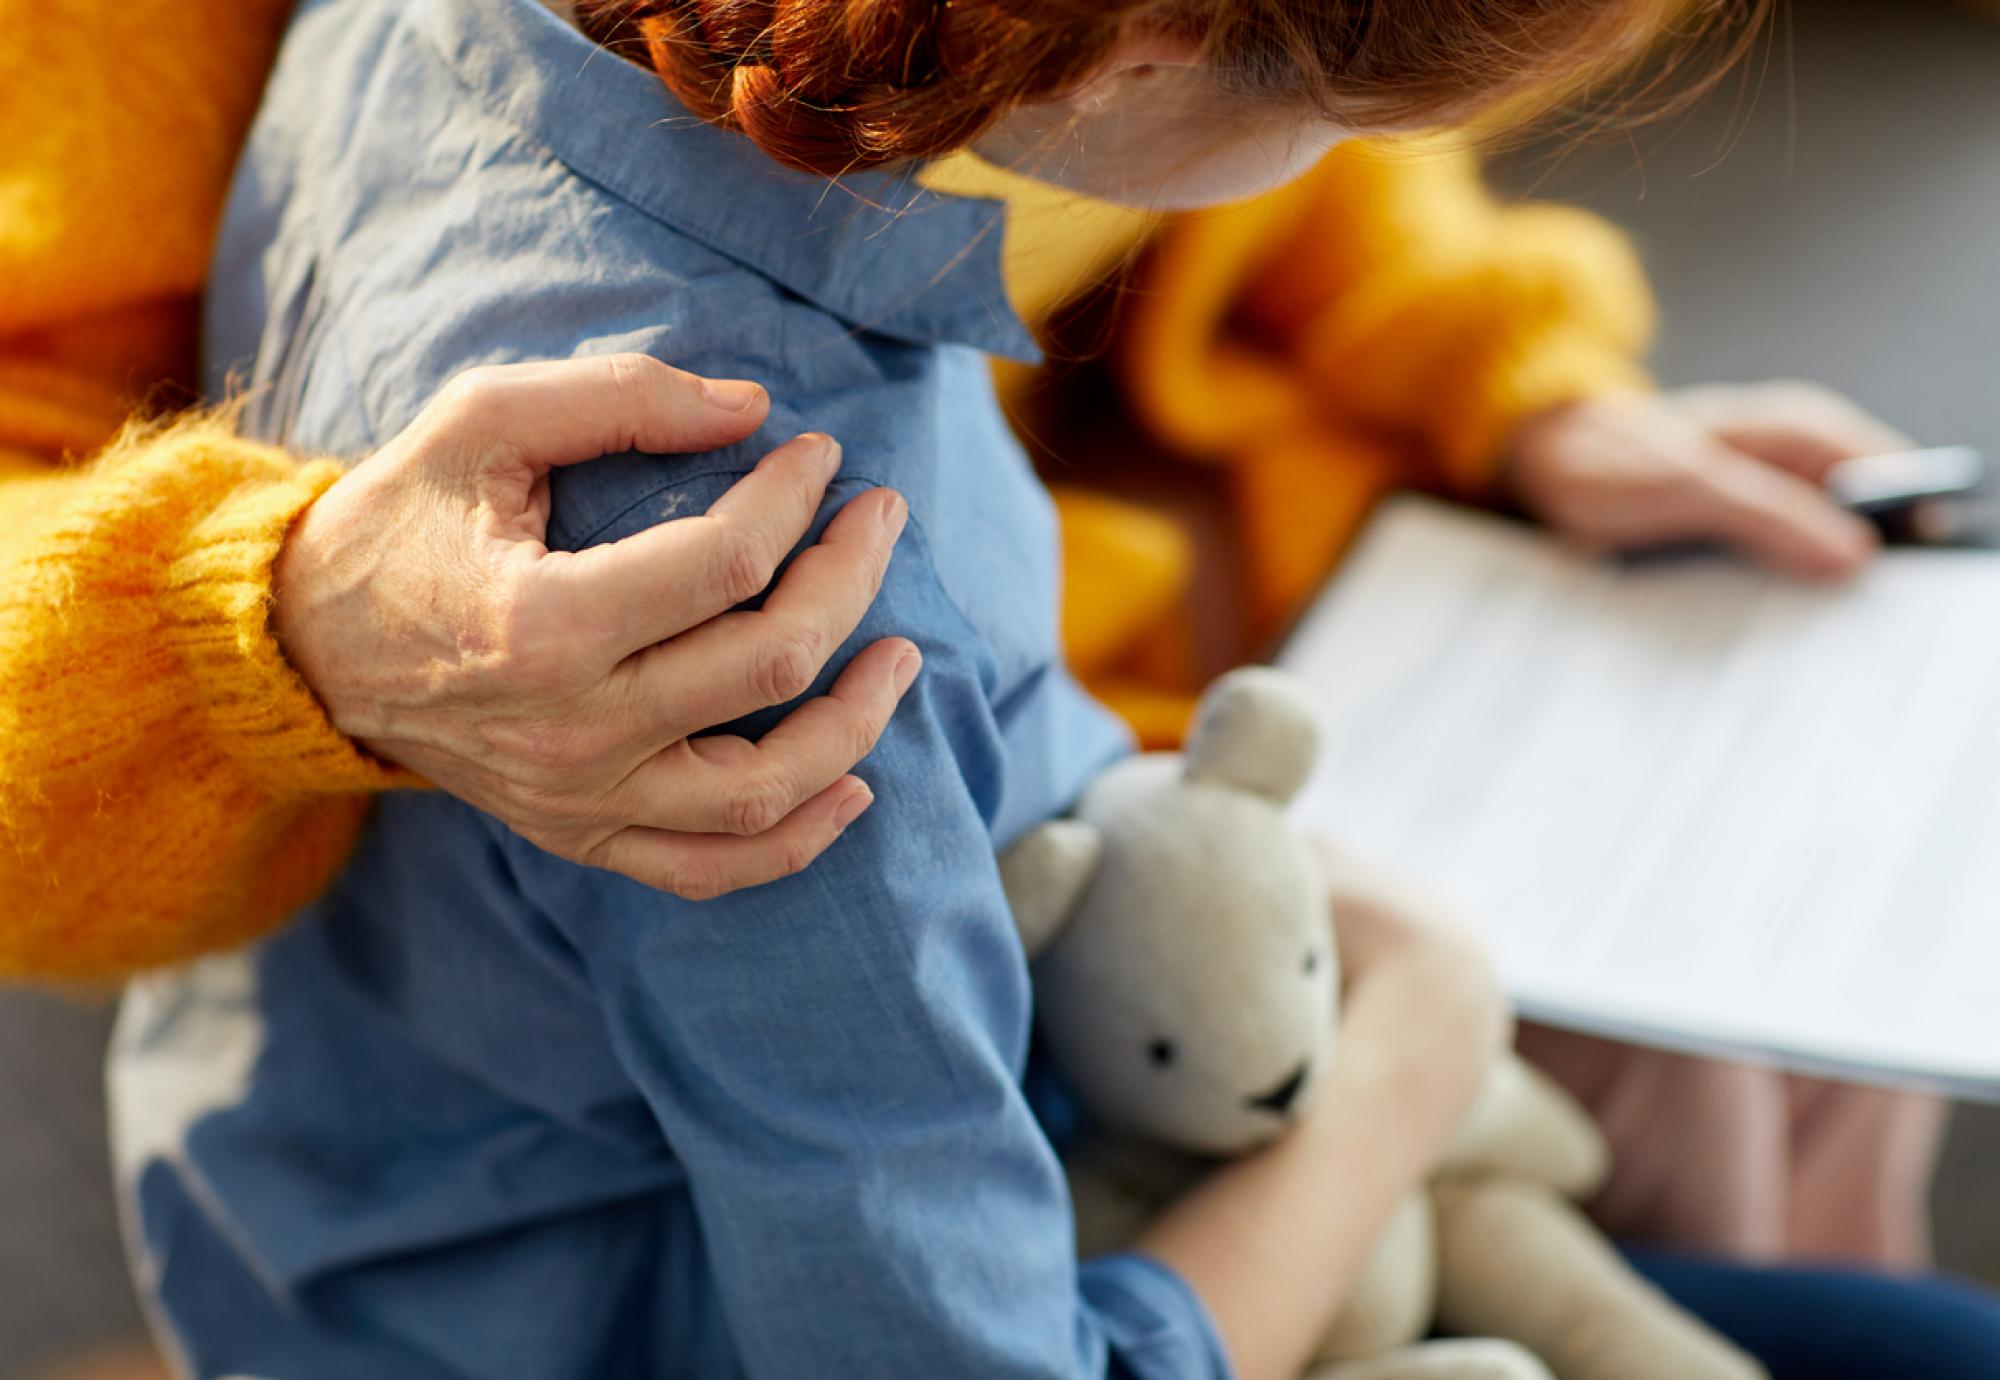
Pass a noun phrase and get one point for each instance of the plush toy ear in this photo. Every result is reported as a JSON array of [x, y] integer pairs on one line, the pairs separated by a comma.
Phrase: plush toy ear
[[1256, 729], [1045, 875]]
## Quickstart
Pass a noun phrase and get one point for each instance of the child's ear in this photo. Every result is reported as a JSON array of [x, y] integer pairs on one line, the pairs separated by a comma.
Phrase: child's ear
[[1046, 874], [1140, 52], [1256, 729]]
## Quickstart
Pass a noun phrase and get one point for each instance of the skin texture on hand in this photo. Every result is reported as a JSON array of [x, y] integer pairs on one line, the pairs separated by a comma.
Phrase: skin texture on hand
[[558, 690], [1746, 466]]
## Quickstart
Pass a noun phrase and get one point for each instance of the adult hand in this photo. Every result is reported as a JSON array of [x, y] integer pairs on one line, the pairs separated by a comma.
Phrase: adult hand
[[557, 690], [1742, 465]]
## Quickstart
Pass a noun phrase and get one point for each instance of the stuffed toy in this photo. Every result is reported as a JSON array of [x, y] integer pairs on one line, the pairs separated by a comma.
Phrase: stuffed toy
[[1187, 987]]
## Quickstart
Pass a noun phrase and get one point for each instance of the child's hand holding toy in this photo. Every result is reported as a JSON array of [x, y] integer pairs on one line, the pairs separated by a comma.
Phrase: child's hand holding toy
[[1187, 943]]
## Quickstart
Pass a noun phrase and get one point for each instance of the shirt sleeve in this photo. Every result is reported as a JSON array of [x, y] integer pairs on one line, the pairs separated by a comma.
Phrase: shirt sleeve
[[835, 1058]]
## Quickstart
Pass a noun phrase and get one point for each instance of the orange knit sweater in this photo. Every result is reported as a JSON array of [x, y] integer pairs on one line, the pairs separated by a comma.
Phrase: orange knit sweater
[[167, 783]]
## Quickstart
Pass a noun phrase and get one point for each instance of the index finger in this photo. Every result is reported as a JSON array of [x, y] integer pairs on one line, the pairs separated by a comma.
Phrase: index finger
[[1781, 519], [659, 583], [1797, 427], [563, 412]]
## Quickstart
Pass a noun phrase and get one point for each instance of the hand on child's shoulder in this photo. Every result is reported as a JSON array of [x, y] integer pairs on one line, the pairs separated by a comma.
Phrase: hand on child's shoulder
[[1743, 465]]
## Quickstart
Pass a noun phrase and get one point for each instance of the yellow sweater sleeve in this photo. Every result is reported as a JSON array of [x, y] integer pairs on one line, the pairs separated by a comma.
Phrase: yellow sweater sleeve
[[167, 784], [1460, 317]]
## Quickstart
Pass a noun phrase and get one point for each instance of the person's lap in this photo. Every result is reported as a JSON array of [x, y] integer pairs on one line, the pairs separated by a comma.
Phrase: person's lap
[[1823, 1323], [1752, 1164]]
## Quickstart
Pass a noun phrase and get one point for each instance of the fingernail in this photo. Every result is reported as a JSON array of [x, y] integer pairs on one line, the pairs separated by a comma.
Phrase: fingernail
[[895, 513], [826, 450], [731, 395], [906, 670], [851, 808]]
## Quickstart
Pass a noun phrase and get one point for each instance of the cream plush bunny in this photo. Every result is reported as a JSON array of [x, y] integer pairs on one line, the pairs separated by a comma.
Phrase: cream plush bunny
[[1186, 986]]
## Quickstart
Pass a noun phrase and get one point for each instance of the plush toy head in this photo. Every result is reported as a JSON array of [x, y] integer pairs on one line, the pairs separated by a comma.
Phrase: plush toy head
[[1185, 972]]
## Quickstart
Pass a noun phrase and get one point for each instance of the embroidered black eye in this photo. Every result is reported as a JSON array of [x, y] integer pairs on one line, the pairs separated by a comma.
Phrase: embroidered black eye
[[1161, 1052], [1312, 962]]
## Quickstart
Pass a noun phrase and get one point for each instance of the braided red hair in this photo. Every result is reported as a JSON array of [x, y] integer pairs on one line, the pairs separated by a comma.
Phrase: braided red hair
[[831, 86]]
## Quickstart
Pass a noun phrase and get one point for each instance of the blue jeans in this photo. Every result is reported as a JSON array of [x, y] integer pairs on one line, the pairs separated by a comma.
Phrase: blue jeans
[[1838, 1324]]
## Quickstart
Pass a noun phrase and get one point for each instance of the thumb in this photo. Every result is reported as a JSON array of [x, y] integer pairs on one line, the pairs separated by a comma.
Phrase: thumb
[[1783, 521], [565, 411]]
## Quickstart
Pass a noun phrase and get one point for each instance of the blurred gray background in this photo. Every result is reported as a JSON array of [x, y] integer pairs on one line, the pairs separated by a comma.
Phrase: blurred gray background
[[1839, 224]]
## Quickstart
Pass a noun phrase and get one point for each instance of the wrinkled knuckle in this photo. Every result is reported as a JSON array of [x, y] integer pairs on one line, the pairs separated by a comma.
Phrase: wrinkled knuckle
[[696, 879], [757, 805], [744, 565], [467, 391], [788, 666], [795, 857], [633, 376], [864, 731]]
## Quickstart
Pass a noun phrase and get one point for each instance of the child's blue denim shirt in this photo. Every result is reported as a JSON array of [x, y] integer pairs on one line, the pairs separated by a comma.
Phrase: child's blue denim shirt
[[483, 1113]]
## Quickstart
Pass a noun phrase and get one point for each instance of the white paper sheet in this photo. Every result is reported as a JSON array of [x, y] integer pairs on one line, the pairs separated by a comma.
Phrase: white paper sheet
[[1685, 803]]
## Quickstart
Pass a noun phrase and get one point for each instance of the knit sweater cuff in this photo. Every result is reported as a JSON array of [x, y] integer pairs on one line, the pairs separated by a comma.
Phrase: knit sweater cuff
[[1527, 376], [218, 605]]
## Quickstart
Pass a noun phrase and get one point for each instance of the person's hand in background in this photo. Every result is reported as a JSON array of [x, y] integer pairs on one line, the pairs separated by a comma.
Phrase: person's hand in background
[[558, 690], [1742, 465]]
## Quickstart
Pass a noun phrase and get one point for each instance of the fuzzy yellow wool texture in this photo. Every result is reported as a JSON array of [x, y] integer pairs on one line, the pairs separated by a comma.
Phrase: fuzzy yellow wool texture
[[168, 785]]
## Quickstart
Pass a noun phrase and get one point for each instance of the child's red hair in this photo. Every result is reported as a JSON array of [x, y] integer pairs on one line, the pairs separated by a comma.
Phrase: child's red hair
[[831, 86]]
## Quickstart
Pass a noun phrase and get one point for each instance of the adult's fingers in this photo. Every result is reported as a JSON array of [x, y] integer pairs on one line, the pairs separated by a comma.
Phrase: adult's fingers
[[700, 867], [561, 412], [732, 786], [1780, 519], [742, 662], [1799, 427], [660, 582]]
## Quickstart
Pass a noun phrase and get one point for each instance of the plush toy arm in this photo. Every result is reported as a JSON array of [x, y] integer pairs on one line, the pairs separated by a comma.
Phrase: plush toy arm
[[1524, 1124], [1391, 1305], [1045, 875], [1518, 1260]]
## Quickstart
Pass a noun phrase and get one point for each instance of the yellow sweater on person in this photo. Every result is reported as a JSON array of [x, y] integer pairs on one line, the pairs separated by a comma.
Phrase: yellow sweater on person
[[169, 786]]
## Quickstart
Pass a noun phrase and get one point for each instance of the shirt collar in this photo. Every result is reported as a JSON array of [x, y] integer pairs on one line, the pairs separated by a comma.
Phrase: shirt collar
[[877, 250]]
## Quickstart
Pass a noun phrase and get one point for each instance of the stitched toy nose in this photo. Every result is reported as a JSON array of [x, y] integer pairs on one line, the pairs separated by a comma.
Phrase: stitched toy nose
[[1279, 1100]]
